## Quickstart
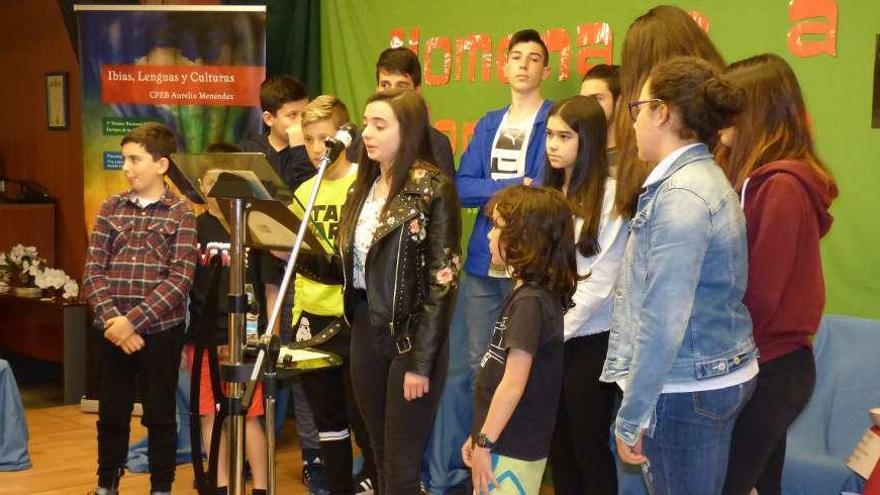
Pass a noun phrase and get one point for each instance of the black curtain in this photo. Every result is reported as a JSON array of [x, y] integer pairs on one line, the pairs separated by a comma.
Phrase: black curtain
[[66, 7], [293, 39]]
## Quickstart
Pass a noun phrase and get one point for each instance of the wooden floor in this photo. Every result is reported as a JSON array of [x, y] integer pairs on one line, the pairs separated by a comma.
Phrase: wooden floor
[[63, 450]]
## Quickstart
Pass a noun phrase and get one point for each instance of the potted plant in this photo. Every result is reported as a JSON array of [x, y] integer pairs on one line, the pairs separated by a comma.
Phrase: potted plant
[[22, 270], [55, 283]]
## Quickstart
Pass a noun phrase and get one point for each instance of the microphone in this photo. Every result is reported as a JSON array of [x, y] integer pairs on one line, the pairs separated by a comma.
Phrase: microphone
[[336, 144]]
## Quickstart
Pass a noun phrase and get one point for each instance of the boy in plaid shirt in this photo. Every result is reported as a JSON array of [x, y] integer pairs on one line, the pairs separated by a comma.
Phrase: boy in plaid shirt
[[139, 270]]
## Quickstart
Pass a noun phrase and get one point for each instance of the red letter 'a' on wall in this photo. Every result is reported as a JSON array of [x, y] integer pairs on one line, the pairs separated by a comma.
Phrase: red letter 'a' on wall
[[557, 40], [398, 38], [701, 20], [438, 43], [594, 41], [816, 19], [474, 44], [501, 58]]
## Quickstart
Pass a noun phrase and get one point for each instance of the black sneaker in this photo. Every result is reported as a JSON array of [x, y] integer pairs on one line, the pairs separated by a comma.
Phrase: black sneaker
[[313, 476], [363, 484]]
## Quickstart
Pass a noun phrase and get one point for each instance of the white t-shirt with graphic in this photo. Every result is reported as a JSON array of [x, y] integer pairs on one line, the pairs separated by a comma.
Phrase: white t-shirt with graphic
[[508, 159]]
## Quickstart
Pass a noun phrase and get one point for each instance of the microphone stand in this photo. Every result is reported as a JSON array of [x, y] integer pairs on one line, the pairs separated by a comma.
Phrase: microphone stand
[[240, 190], [334, 148], [235, 365]]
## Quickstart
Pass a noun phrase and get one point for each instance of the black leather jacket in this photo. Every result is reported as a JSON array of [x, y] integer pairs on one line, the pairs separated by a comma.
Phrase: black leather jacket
[[412, 268]]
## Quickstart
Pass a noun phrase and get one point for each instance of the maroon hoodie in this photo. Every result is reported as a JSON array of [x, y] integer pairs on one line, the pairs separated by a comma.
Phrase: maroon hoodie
[[786, 208]]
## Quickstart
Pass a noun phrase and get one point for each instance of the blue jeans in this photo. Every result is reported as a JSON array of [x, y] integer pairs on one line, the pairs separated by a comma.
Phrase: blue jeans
[[481, 299], [690, 443]]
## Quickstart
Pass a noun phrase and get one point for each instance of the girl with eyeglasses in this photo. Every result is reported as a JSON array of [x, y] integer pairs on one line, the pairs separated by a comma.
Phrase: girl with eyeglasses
[[681, 343]]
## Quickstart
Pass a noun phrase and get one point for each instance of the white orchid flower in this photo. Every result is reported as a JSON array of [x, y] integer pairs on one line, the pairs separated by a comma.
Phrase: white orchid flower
[[71, 289]]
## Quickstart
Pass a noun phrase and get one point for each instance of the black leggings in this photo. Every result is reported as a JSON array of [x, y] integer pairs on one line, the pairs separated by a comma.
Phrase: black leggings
[[757, 450], [398, 429], [580, 455]]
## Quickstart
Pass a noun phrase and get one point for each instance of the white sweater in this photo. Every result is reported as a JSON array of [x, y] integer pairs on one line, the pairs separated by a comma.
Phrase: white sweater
[[593, 296]]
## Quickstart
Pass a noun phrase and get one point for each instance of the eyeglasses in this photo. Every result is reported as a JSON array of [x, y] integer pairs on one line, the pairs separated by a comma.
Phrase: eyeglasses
[[634, 106]]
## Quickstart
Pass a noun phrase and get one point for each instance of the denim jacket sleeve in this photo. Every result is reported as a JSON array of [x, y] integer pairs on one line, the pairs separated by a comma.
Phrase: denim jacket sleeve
[[677, 235]]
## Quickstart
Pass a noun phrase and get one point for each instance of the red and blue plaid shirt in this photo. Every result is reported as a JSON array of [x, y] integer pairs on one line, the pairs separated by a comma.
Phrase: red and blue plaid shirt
[[141, 262]]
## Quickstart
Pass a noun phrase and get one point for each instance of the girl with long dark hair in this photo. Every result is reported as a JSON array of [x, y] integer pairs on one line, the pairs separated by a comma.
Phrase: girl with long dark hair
[[399, 252], [577, 165]]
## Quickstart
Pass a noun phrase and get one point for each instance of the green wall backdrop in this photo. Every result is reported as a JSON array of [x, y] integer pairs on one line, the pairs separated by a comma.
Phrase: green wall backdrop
[[837, 88]]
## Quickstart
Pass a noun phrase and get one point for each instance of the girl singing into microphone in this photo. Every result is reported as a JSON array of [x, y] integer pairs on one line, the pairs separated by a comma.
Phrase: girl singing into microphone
[[398, 245]]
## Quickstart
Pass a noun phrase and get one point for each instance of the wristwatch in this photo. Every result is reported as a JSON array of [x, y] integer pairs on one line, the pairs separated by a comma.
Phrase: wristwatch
[[483, 441]]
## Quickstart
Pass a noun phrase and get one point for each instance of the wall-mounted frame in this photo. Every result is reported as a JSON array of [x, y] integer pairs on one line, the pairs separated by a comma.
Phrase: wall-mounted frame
[[57, 101]]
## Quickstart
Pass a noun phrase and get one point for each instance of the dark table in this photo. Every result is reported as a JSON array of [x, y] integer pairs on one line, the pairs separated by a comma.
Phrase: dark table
[[49, 331]]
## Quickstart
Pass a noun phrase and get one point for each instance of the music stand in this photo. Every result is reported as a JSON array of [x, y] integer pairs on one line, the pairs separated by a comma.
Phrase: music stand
[[257, 217], [187, 169], [270, 225]]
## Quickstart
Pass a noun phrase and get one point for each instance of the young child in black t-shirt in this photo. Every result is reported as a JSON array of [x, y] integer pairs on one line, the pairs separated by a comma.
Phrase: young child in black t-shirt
[[518, 383]]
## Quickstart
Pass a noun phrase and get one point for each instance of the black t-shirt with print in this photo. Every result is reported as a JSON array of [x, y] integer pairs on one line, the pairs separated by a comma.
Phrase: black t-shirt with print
[[531, 321], [261, 269]]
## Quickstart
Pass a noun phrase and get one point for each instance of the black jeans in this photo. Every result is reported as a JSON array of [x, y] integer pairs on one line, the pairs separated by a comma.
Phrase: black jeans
[[398, 428], [154, 369], [331, 399], [757, 450], [580, 456]]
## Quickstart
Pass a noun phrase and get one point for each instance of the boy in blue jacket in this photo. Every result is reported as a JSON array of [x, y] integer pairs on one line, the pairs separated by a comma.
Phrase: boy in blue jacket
[[507, 148]]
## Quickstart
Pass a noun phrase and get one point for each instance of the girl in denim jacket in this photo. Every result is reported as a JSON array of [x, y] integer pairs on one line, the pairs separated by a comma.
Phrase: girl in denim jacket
[[681, 343]]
